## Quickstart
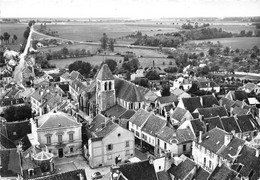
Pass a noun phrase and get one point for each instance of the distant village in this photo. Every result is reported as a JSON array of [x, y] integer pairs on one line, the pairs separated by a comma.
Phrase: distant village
[[61, 125]]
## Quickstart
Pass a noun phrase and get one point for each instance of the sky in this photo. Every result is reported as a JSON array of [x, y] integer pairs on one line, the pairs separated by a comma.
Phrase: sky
[[128, 8]]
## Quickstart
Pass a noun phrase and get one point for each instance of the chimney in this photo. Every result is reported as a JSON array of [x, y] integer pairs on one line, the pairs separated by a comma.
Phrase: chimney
[[200, 137], [231, 111], [81, 177], [201, 100], [201, 117], [227, 138], [168, 121]]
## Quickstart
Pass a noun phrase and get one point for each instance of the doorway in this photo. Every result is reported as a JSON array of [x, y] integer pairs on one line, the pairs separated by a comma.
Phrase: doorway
[[60, 152]]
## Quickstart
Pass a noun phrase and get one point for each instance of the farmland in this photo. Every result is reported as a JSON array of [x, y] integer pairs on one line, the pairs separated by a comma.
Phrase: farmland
[[238, 42]]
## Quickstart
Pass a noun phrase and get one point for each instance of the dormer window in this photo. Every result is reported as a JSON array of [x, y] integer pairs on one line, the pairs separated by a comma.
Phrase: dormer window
[[110, 85], [105, 86]]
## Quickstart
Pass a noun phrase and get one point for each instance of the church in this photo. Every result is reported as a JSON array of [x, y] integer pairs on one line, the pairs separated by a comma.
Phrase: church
[[107, 91]]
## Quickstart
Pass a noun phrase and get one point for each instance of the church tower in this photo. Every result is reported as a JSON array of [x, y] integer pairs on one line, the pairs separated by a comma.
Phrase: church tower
[[105, 89]]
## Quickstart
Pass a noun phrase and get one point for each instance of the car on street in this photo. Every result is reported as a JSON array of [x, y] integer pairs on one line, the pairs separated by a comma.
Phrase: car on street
[[96, 175]]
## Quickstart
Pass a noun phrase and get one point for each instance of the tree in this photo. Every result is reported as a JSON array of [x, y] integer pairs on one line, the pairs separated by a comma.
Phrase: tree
[[235, 59], [243, 33], [211, 52], [65, 51], [253, 56], [152, 75], [249, 33], [18, 113], [165, 90], [6, 37], [226, 51], [131, 66], [111, 44], [143, 82], [201, 54], [83, 68], [171, 69], [237, 50], [112, 64], [104, 41]]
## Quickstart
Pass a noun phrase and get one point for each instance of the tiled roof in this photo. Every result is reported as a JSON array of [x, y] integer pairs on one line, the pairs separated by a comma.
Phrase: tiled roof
[[250, 163], [78, 86], [142, 170], [64, 87], [110, 126], [213, 111], [229, 124], [168, 107], [213, 140], [245, 123], [115, 111], [11, 101], [65, 75], [54, 120], [5, 142], [9, 162], [209, 101], [153, 124], [96, 124], [162, 175], [249, 86], [223, 173], [26, 144], [213, 122], [104, 73], [178, 113], [231, 149], [140, 117], [127, 114], [201, 174], [167, 99], [197, 126], [237, 95], [150, 96], [21, 129], [75, 75], [183, 169], [239, 111], [192, 103], [184, 135], [70, 175], [228, 103], [166, 134], [128, 91]]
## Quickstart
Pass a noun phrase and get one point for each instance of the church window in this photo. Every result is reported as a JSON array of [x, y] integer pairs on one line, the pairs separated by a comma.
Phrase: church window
[[105, 86], [110, 85]]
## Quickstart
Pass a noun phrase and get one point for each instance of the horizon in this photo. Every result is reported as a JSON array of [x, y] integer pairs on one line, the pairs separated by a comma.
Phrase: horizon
[[134, 9]]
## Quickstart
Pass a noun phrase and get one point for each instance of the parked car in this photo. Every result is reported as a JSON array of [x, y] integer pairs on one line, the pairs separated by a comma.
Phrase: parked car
[[96, 175]]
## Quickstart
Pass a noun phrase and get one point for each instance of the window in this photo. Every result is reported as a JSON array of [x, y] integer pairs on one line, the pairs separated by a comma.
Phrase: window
[[132, 130], [127, 144], [59, 138], [144, 137], [105, 86], [251, 174], [71, 149], [165, 146], [110, 85], [49, 150], [239, 168], [70, 137], [127, 152], [204, 161], [184, 148], [158, 142], [14, 133], [109, 157], [210, 164], [137, 134], [109, 147], [48, 139]]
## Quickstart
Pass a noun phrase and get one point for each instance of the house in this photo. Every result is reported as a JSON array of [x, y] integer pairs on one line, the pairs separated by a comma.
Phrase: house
[[207, 85], [138, 74], [195, 125], [136, 123], [181, 82], [193, 103], [247, 163], [109, 142], [123, 119], [172, 141], [60, 132], [17, 129], [164, 101], [212, 112], [251, 87], [78, 174], [152, 125], [236, 95], [183, 168], [179, 93], [7, 102], [214, 147], [76, 87], [180, 115], [143, 170], [223, 172]]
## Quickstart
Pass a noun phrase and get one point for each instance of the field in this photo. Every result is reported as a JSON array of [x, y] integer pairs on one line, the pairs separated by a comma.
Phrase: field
[[238, 42]]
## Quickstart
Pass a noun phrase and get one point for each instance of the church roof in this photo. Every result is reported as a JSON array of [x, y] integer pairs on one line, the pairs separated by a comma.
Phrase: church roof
[[105, 73]]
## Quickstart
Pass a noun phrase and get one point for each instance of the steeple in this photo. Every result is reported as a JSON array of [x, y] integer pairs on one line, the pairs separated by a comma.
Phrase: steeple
[[105, 73]]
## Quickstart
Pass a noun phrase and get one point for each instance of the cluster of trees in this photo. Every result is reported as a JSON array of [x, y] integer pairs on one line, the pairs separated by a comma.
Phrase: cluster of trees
[[67, 53], [196, 26], [206, 33], [107, 43], [41, 59], [18, 113], [43, 29], [163, 41], [6, 36], [243, 33], [82, 67]]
